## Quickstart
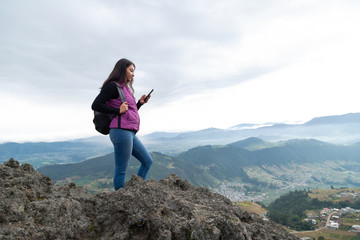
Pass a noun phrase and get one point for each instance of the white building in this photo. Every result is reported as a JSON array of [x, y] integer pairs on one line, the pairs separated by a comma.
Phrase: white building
[[333, 225], [355, 228]]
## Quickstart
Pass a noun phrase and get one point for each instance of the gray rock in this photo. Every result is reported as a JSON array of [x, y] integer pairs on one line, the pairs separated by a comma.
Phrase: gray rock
[[32, 207]]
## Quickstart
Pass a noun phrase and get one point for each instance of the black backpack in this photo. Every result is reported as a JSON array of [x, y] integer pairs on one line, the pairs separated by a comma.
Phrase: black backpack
[[102, 120]]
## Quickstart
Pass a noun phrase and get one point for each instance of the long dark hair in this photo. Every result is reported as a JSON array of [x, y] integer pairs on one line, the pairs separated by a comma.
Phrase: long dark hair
[[118, 74]]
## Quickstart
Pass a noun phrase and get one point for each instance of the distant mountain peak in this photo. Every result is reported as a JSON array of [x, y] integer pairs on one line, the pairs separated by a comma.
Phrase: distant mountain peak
[[336, 119], [247, 142]]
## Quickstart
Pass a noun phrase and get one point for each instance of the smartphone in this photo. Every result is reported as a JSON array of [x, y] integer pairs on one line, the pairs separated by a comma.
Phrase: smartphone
[[147, 96]]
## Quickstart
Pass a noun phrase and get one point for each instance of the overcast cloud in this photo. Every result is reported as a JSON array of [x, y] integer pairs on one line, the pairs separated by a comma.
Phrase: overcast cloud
[[211, 63]]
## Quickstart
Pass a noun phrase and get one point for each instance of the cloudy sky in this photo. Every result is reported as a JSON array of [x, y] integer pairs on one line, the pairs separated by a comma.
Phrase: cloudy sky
[[211, 63]]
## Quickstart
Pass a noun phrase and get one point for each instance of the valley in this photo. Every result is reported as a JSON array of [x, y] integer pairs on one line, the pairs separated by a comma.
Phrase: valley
[[247, 170], [280, 180]]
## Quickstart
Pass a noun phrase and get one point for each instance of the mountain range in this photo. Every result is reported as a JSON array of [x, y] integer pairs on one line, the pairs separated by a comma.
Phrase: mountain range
[[341, 129], [251, 169]]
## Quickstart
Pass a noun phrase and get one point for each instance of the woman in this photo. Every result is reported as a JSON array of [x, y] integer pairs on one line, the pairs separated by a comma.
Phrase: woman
[[124, 126]]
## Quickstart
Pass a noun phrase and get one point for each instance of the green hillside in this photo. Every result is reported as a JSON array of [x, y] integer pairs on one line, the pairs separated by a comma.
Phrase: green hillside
[[247, 170], [103, 167], [228, 162], [292, 208]]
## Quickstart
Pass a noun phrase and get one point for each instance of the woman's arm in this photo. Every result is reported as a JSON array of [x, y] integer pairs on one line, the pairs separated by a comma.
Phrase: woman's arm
[[138, 105], [109, 91]]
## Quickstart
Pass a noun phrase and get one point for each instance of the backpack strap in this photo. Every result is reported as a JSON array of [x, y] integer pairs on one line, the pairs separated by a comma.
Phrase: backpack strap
[[121, 93], [122, 98]]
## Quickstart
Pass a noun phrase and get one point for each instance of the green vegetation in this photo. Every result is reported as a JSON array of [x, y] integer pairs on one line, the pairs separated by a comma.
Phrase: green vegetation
[[90, 170], [289, 209], [351, 219], [337, 236]]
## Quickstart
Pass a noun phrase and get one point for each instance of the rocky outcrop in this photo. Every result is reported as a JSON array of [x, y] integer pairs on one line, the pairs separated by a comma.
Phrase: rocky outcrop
[[32, 207]]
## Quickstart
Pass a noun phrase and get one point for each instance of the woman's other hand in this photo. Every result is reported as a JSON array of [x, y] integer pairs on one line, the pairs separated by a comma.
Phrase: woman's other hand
[[143, 99], [124, 107]]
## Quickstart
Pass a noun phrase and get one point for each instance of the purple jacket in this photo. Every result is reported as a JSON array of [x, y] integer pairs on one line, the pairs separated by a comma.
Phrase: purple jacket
[[130, 119]]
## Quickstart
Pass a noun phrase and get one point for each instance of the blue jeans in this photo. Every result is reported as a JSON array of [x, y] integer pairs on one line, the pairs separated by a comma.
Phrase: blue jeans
[[126, 144]]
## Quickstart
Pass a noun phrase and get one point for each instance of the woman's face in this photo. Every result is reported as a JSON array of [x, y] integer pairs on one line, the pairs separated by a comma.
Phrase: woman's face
[[130, 73]]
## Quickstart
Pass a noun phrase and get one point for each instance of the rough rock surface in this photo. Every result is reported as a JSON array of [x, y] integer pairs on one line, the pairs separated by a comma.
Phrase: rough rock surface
[[32, 207]]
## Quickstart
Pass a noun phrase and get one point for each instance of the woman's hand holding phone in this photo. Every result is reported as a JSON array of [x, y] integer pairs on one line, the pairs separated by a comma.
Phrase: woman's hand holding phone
[[145, 98]]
